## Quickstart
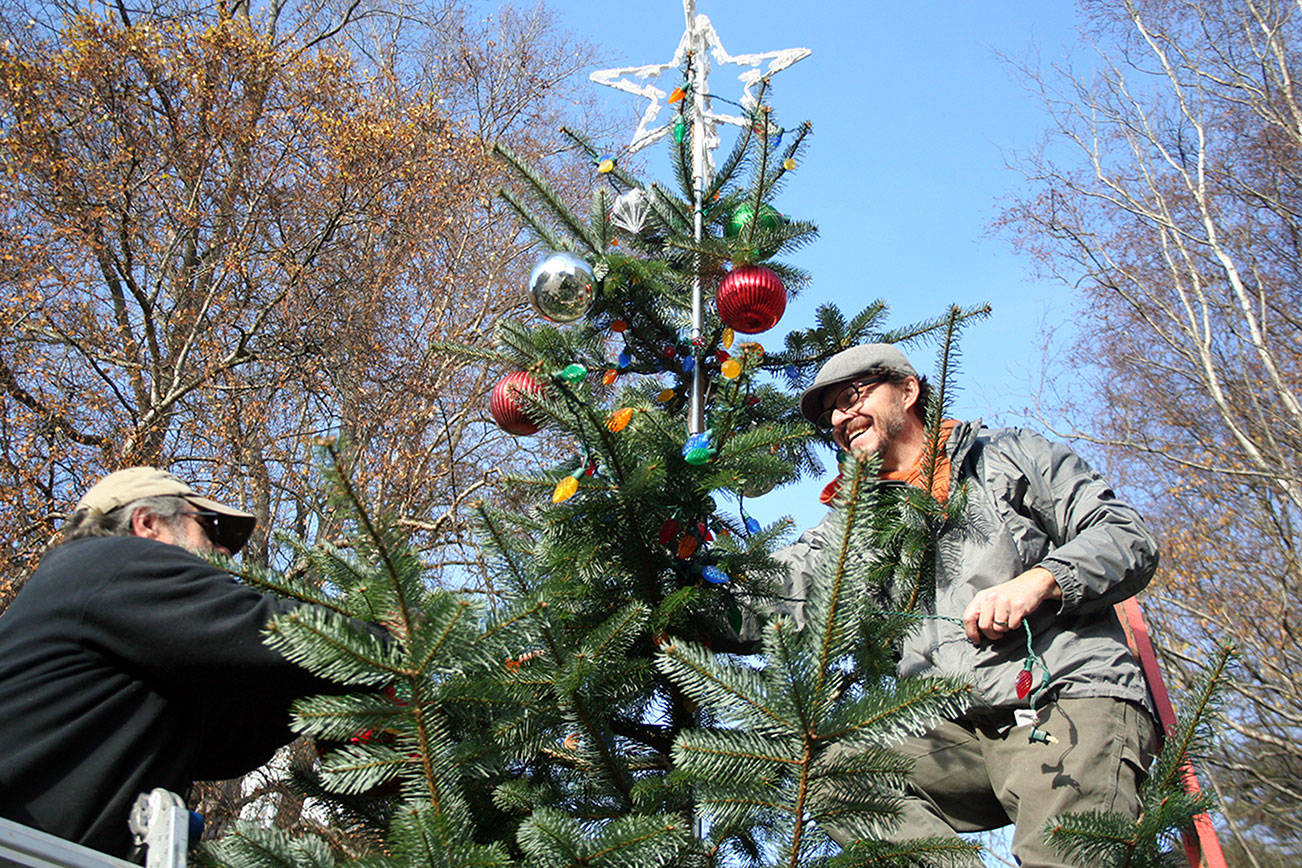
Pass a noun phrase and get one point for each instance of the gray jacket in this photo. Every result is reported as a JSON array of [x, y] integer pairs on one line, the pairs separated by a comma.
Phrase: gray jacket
[[1031, 502]]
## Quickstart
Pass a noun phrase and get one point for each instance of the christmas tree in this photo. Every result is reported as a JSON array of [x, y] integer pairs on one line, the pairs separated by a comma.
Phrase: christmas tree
[[591, 713], [618, 701]]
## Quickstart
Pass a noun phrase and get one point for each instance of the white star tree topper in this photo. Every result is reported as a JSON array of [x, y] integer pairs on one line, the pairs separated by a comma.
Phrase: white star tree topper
[[699, 41]]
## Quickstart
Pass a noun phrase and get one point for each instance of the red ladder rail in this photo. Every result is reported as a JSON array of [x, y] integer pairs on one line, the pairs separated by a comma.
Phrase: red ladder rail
[[1202, 846]]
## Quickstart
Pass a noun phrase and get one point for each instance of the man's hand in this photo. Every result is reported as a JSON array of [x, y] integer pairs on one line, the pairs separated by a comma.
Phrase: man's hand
[[996, 611]]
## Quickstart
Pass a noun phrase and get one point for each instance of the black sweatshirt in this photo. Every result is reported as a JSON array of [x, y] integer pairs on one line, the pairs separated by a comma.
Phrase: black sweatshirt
[[128, 664]]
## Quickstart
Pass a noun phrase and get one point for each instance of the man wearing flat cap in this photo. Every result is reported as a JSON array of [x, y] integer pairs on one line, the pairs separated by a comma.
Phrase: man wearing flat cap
[[127, 662], [1045, 543]]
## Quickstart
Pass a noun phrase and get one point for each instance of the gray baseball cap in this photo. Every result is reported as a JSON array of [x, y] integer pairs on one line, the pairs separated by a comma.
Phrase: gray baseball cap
[[231, 527], [849, 365]]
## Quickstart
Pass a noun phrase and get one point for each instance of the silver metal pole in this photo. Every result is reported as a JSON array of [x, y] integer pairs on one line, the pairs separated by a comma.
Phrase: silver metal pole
[[700, 162]]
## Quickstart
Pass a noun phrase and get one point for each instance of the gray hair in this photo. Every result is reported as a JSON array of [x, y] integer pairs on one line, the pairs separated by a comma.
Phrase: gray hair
[[117, 522]]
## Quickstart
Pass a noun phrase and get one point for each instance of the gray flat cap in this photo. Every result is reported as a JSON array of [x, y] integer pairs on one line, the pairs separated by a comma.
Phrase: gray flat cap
[[861, 361]]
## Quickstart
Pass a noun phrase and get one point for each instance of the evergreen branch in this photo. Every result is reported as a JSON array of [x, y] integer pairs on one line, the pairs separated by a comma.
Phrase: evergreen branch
[[1080, 837], [325, 554], [381, 547], [250, 845], [461, 608], [859, 476], [659, 829], [797, 144], [728, 168], [917, 694], [608, 760], [906, 854], [615, 633], [280, 585], [788, 659], [586, 144], [668, 208], [549, 197], [728, 744], [699, 671], [323, 643], [501, 543], [931, 455], [332, 717], [358, 768], [550, 838], [422, 837], [1189, 732], [541, 230], [423, 736], [516, 619], [802, 795], [747, 802]]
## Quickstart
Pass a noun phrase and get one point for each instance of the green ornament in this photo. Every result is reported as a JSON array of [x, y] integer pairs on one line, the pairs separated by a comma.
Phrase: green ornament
[[679, 129], [739, 220], [573, 374]]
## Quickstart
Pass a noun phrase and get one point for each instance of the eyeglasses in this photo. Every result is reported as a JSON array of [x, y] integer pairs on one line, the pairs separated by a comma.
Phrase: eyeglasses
[[846, 397]]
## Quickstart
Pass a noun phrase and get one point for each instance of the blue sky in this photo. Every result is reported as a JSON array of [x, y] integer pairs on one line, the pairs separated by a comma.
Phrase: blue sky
[[915, 117]]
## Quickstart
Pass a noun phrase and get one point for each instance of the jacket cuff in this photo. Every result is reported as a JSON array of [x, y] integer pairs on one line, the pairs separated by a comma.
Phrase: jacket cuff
[[1064, 573]]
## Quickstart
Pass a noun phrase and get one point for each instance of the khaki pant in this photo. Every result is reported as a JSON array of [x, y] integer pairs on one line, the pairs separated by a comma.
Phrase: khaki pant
[[972, 777]]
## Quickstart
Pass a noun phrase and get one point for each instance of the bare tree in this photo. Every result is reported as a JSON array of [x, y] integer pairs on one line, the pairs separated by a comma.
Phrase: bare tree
[[1170, 193], [228, 231]]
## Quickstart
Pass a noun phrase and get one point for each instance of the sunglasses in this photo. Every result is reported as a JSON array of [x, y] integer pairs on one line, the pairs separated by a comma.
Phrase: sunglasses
[[217, 527]]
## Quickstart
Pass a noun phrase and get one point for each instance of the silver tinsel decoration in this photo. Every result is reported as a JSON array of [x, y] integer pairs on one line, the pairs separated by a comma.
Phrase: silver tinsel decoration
[[630, 210]]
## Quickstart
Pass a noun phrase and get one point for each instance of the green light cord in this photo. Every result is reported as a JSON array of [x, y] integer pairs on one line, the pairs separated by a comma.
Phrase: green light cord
[[1032, 659]]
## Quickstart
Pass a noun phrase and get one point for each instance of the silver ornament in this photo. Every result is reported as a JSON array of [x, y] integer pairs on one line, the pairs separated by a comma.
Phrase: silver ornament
[[630, 210], [562, 287]]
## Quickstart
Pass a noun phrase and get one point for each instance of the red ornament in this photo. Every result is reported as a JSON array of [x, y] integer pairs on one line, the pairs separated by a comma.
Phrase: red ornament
[[669, 531], [751, 299], [1023, 683], [505, 403]]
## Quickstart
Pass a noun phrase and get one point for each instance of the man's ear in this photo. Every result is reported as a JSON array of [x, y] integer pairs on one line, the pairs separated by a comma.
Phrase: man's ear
[[146, 523], [911, 390]]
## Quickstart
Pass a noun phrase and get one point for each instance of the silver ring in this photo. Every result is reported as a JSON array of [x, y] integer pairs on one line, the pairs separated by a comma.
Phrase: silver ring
[[1001, 623]]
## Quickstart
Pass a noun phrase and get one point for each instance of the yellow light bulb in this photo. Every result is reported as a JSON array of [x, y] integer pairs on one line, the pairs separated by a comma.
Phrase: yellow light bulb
[[565, 489]]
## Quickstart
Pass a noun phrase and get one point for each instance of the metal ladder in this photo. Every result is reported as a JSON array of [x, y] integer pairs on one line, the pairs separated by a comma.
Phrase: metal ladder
[[159, 822]]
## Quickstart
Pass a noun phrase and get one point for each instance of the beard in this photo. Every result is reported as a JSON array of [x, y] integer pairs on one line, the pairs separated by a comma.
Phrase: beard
[[887, 426]]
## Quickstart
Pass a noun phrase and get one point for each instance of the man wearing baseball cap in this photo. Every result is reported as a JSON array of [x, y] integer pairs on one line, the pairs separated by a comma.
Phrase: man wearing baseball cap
[[127, 662], [1046, 543]]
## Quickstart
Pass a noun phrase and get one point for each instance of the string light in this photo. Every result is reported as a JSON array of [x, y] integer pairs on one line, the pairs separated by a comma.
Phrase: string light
[[1024, 678], [619, 420]]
